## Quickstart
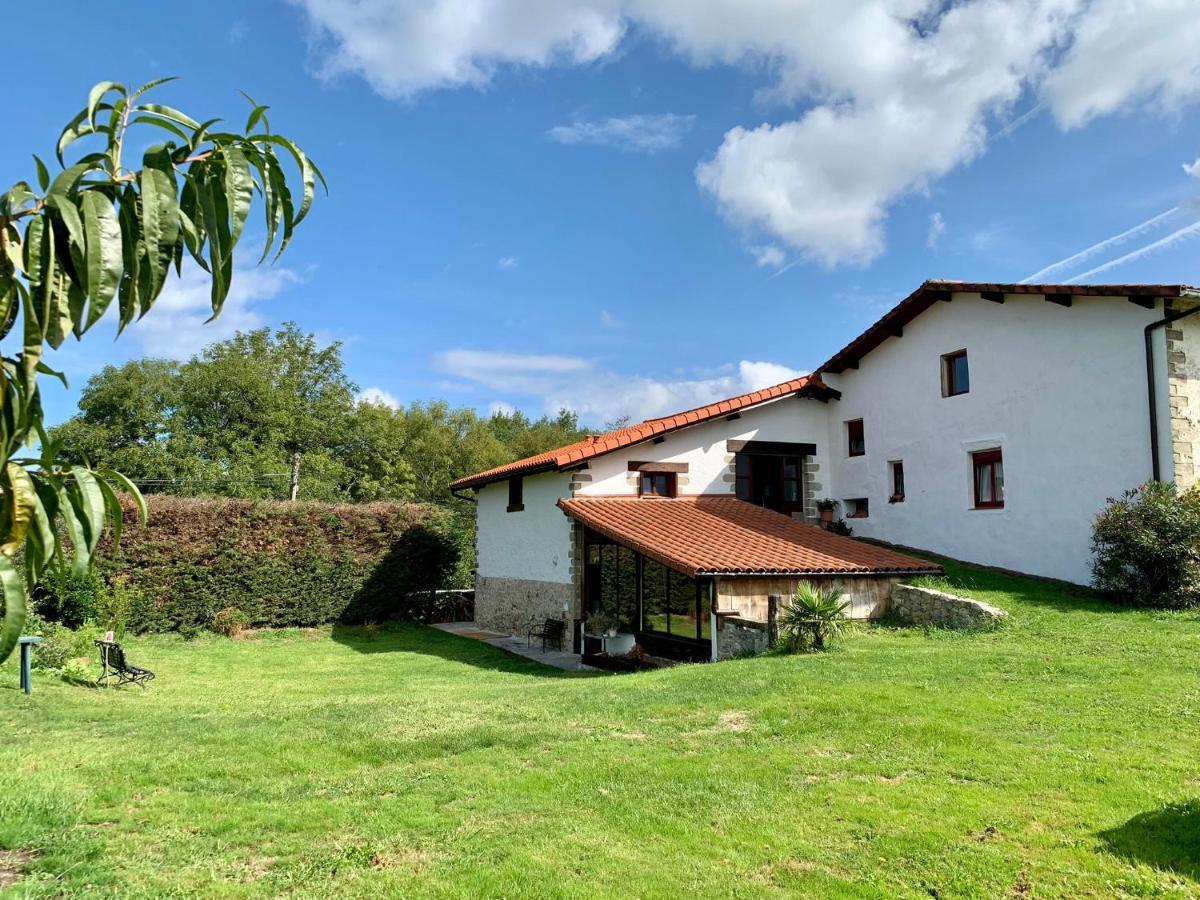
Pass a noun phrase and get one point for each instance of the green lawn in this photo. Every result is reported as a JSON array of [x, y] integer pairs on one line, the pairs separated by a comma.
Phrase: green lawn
[[1057, 756]]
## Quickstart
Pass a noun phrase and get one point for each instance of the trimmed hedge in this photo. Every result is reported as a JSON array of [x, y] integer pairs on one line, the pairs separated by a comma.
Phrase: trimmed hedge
[[278, 563]]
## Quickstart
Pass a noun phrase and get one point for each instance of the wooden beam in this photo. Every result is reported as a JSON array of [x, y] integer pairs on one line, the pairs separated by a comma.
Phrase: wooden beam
[[852, 365], [1060, 299], [658, 466], [658, 440], [771, 448], [895, 330], [733, 417], [1143, 302], [943, 296], [993, 296]]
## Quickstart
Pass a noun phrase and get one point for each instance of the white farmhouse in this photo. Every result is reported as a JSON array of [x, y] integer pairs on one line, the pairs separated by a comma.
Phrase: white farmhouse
[[983, 422]]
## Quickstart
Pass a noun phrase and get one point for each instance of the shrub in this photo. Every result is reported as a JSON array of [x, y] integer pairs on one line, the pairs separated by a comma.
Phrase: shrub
[[1146, 547], [68, 598], [280, 564], [404, 584], [230, 622], [814, 616], [839, 526], [115, 606], [60, 644]]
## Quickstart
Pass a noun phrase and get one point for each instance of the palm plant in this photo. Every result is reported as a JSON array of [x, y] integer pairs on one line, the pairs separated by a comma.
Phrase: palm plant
[[814, 616]]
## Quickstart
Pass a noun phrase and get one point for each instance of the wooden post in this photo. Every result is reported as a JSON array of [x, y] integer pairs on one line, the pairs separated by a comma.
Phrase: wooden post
[[772, 620], [294, 491]]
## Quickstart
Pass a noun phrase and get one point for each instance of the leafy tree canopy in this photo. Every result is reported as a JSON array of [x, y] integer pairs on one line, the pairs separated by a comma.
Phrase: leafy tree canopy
[[229, 420]]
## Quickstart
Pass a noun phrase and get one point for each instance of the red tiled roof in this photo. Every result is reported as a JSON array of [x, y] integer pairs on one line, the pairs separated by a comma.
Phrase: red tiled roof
[[725, 536], [934, 290], [598, 445]]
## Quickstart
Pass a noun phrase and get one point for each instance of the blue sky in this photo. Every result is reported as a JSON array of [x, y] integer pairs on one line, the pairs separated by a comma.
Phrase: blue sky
[[635, 206]]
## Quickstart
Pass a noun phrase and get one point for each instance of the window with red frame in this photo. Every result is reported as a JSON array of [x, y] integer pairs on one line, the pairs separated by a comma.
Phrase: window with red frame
[[856, 442], [988, 467], [657, 484]]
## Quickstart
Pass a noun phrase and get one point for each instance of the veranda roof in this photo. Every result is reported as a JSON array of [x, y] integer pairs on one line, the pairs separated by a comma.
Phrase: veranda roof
[[726, 536]]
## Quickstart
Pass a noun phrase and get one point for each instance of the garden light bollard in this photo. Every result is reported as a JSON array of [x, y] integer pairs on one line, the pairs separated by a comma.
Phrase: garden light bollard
[[27, 641]]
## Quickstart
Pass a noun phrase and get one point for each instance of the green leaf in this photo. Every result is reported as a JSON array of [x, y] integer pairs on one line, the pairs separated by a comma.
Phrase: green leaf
[[14, 606], [131, 257], [307, 174], [165, 124], [113, 507], [90, 508], [239, 191], [216, 224], [21, 498], [96, 94], [68, 506], [43, 174], [44, 369], [283, 196], [130, 488], [160, 220], [199, 135], [78, 128], [103, 234], [150, 85], [40, 544], [168, 113]]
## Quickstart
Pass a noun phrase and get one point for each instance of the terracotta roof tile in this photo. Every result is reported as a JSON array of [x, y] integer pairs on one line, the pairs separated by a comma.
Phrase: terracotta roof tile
[[726, 536], [598, 445]]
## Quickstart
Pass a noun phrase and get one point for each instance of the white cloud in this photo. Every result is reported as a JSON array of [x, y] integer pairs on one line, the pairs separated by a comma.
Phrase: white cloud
[[1193, 169], [1101, 246], [176, 326], [507, 262], [377, 396], [644, 133], [609, 320], [937, 230], [767, 255], [500, 408], [596, 393], [895, 93], [1124, 54], [401, 47]]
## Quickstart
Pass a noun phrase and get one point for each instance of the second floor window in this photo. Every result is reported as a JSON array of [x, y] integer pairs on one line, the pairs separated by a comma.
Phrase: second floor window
[[657, 484], [956, 376], [856, 442], [897, 482], [516, 494]]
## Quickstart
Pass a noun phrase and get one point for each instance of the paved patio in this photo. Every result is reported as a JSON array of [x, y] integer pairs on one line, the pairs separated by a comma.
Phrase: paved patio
[[517, 646]]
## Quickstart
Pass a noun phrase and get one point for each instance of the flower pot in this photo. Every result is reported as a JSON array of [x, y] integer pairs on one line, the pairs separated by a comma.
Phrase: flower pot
[[826, 516]]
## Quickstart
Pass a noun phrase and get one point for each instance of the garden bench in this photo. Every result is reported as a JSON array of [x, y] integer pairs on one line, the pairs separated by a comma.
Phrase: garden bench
[[113, 664], [551, 632]]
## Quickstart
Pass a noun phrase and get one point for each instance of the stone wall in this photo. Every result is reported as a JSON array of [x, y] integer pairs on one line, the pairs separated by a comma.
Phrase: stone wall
[[740, 637], [1183, 394], [514, 605], [925, 606], [868, 595]]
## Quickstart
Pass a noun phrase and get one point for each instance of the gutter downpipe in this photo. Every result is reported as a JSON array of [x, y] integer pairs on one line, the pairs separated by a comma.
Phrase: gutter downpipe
[[1151, 388]]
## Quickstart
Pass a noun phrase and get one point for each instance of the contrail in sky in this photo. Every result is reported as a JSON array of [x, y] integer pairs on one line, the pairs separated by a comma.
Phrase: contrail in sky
[[1091, 251], [1160, 244]]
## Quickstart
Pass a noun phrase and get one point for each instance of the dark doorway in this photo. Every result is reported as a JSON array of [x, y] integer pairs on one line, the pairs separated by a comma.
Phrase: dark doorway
[[772, 481]]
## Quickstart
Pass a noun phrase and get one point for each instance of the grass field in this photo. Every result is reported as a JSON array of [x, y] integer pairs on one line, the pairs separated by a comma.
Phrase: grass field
[[1057, 756]]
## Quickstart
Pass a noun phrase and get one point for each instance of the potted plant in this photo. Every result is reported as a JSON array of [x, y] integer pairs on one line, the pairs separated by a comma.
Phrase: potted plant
[[603, 624], [825, 508]]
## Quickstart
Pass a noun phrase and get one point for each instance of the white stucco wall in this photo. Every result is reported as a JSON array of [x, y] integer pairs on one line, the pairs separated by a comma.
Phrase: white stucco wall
[[533, 544], [702, 447], [1062, 391]]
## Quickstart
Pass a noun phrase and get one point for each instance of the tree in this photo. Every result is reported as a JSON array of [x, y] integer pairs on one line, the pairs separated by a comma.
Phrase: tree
[[276, 390], [102, 231]]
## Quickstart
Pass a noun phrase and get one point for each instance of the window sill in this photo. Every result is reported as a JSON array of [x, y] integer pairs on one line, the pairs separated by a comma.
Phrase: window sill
[[516, 507], [987, 509], [897, 498]]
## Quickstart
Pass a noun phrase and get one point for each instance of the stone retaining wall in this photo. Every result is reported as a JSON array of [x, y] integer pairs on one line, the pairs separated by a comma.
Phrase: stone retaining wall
[[514, 605], [925, 606], [740, 637]]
